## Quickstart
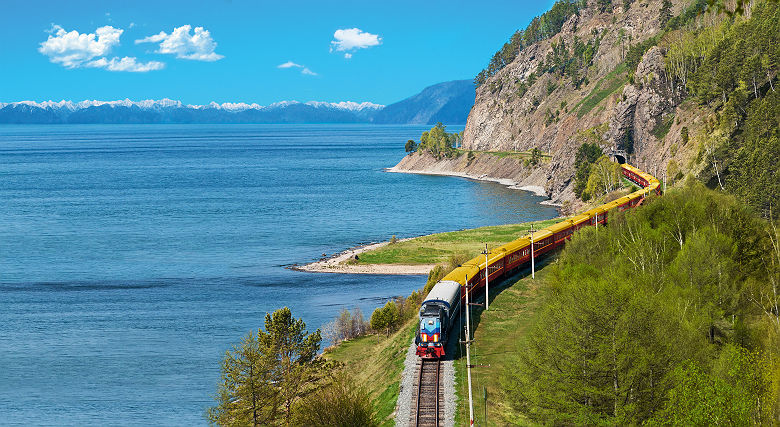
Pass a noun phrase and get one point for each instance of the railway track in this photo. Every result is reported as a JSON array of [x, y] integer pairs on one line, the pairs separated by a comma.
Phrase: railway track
[[428, 395]]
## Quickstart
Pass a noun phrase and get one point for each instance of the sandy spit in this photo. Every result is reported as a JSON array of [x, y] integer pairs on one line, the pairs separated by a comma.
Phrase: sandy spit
[[336, 264]]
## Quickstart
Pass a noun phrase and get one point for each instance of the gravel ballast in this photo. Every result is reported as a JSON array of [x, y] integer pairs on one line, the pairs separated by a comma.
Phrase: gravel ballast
[[405, 405]]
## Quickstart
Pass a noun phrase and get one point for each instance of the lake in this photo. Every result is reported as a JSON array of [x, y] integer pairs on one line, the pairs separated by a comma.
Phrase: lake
[[133, 256]]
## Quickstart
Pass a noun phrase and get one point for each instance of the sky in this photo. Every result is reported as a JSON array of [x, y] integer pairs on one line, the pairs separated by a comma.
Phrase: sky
[[252, 51]]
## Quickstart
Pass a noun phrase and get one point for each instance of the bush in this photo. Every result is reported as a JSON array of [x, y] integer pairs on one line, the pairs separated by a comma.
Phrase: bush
[[346, 326], [340, 403]]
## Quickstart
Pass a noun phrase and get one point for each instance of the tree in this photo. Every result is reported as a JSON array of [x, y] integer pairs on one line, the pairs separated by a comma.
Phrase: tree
[[700, 399], [340, 403], [246, 395], [665, 14], [604, 177], [587, 154], [294, 352], [384, 318], [411, 146], [268, 373], [536, 156]]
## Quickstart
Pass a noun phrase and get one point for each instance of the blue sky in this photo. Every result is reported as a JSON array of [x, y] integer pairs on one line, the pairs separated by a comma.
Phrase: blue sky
[[231, 50]]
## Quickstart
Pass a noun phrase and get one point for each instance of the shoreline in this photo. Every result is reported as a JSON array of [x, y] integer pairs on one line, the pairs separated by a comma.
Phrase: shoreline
[[537, 190], [336, 264]]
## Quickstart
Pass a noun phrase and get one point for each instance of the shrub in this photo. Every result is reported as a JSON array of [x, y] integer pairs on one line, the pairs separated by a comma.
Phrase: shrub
[[339, 403]]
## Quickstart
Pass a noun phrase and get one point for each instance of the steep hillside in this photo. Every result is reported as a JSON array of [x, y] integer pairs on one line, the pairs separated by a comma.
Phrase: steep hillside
[[447, 102], [648, 77]]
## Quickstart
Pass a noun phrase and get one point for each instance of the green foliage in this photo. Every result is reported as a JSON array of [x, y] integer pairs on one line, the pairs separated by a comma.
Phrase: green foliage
[[684, 135], [541, 28], [665, 13], [572, 63], [634, 314], [246, 395], [536, 156], [732, 65], [586, 155], [438, 142], [410, 146], [608, 85], [385, 318], [637, 51], [268, 373], [698, 399], [662, 129], [346, 326], [605, 177], [340, 403]]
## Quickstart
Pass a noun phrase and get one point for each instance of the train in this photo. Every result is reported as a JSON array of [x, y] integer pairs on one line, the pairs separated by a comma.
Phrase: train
[[441, 306]]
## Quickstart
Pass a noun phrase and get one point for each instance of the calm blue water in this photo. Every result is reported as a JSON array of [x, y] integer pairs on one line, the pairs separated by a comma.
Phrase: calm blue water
[[132, 257]]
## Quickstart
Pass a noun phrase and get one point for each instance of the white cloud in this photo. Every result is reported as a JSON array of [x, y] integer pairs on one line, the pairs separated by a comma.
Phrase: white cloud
[[289, 64], [73, 49], [132, 24], [351, 39], [304, 70], [126, 64], [198, 46]]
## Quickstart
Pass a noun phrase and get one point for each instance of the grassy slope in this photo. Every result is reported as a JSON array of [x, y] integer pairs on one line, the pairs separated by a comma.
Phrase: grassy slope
[[436, 248], [496, 337], [377, 362], [608, 85]]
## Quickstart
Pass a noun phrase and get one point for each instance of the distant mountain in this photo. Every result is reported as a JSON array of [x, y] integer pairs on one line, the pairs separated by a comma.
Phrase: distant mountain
[[170, 111], [448, 102]]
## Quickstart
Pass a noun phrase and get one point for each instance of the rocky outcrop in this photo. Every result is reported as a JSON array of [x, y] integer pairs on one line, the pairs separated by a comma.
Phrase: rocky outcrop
[[512, 112], [647, 106], [482, 166]]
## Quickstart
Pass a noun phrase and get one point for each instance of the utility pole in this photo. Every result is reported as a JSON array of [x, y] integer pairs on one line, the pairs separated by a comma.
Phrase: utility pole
[[468, 355], [487, 273], [533, 272], [664, 190]]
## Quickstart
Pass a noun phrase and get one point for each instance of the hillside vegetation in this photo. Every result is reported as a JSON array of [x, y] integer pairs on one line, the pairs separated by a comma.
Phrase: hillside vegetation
[[667, 316], [685, 87]]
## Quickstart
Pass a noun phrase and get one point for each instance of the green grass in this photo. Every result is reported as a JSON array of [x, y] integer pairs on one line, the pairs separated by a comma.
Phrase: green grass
[[496, 336], [662, 129], [605, 87], [520, 155], [376, 363], [436, 248]]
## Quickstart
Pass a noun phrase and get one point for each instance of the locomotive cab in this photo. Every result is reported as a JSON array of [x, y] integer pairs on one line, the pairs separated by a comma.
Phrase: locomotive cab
[[430, 334]]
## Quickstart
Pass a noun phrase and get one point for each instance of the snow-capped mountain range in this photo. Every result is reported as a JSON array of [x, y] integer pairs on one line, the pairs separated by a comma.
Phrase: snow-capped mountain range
[[447, 102], [172, 103], [173, 111]]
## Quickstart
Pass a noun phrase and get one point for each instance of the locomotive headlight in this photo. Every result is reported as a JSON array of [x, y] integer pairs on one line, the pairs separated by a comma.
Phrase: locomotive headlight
[[425, 337], [435, 337]]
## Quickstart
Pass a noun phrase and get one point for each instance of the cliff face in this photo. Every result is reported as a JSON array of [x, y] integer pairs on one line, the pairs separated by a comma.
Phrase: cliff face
[[520, 108]]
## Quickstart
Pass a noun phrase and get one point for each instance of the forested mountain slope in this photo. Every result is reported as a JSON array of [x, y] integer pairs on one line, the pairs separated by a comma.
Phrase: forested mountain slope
[[683, 87]]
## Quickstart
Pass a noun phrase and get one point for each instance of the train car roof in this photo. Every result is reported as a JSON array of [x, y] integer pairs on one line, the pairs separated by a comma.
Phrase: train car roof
[[579, 219], [515, 245], [459, 274], [446, 291], [593, 211], [559, 226], [541, 234]]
